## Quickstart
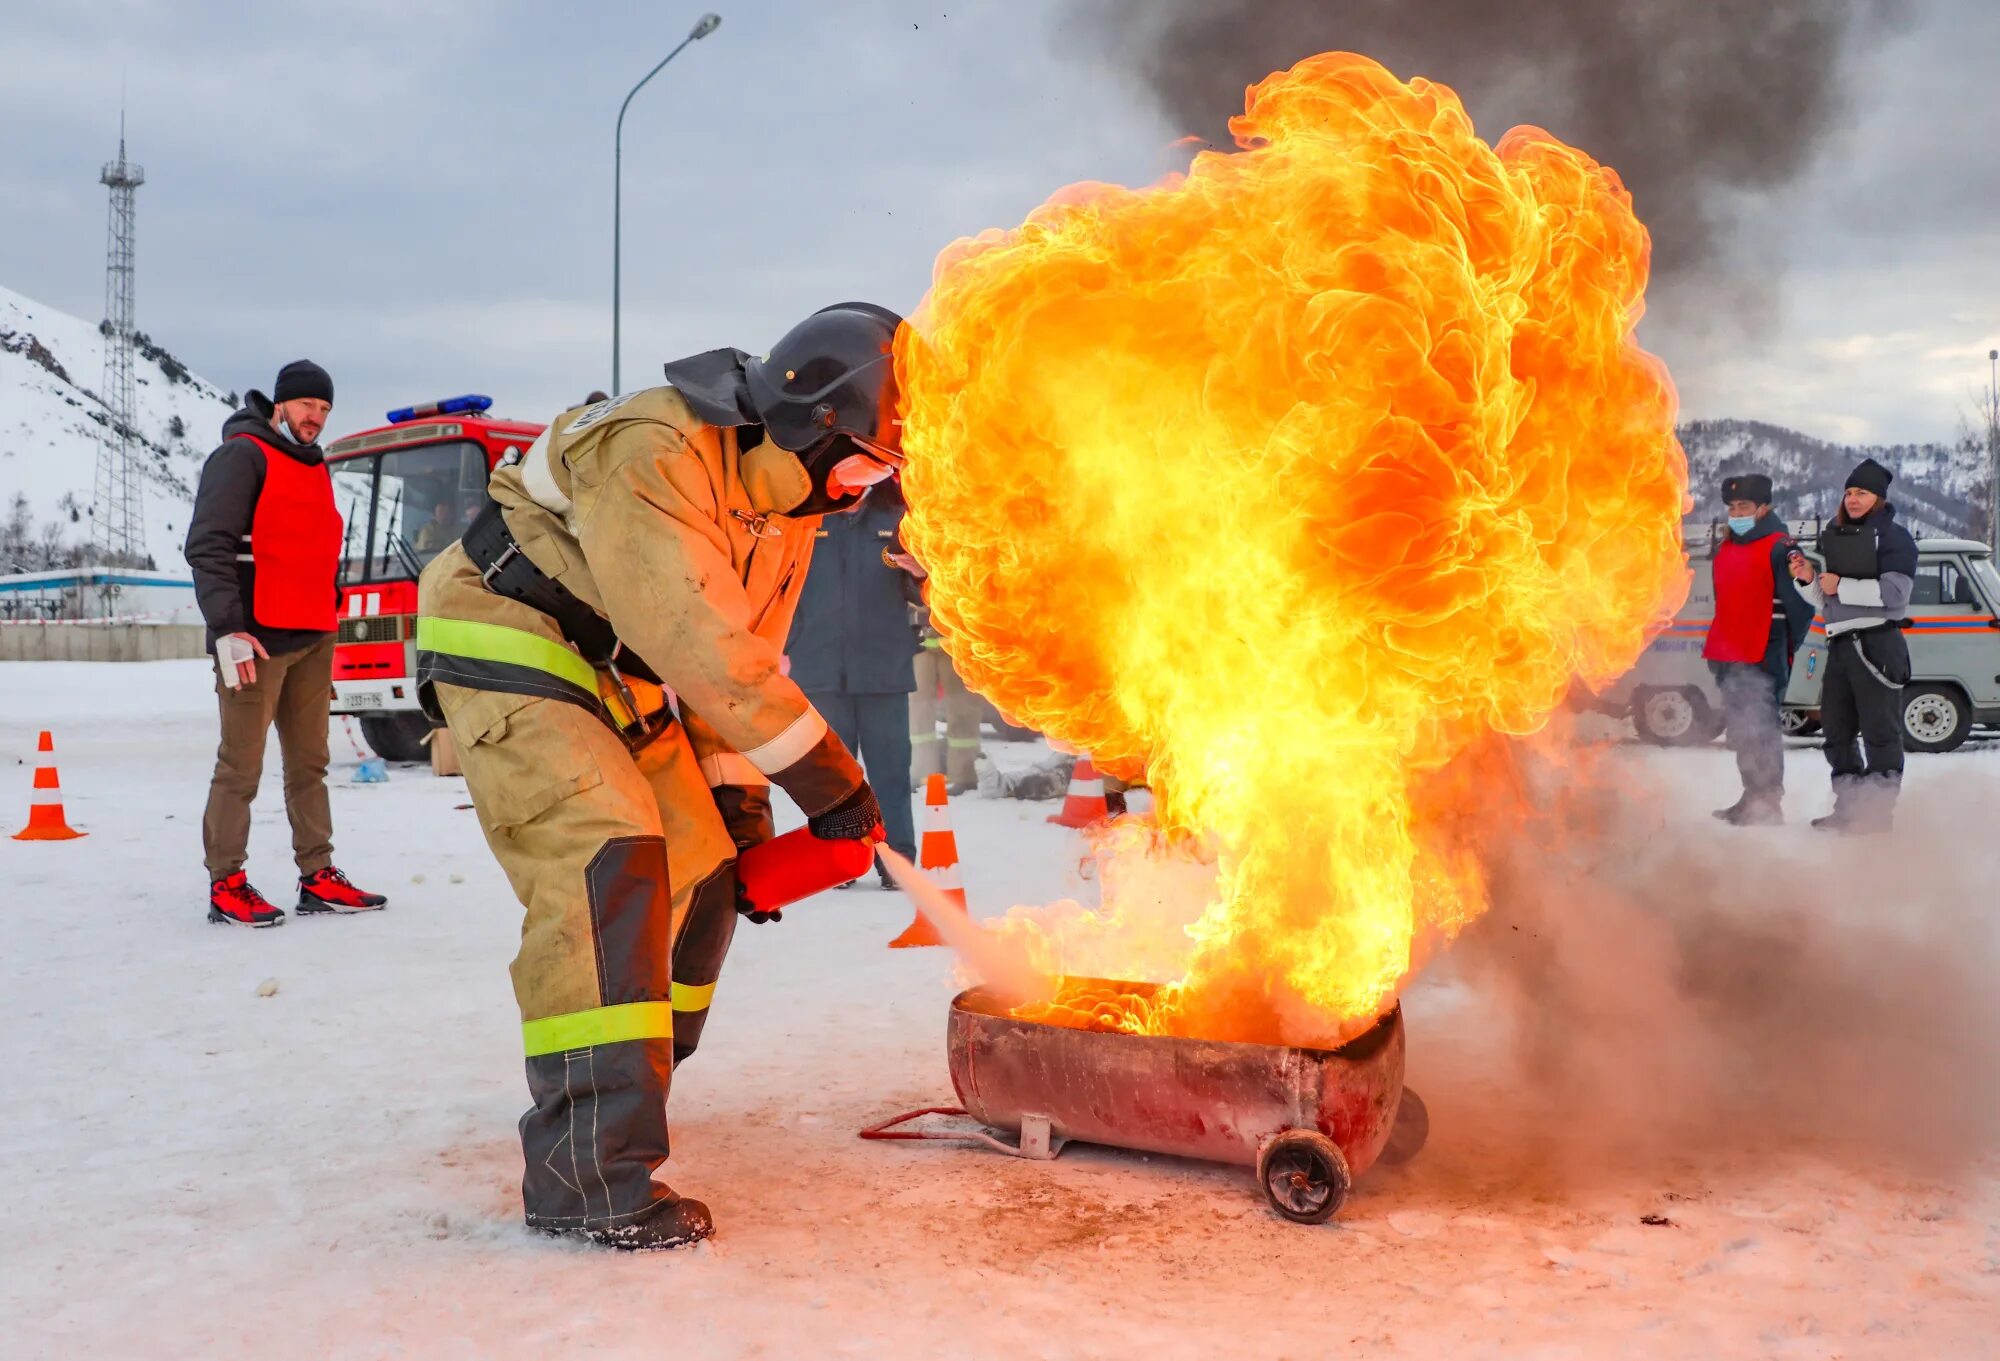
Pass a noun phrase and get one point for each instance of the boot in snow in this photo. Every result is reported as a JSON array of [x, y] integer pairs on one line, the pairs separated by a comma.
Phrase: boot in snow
[[328, 890], [592, 1141], [1730, 813], [1865, 806], [1755, 810], [233, 902], [676, 1222], [1851, 820]]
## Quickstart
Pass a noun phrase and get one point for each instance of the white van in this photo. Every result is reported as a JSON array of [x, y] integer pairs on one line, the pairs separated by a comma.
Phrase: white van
[[1953, 633]]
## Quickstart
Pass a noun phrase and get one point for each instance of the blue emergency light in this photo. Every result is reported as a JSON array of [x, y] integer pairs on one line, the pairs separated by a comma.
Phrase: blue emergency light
[[450, 406]]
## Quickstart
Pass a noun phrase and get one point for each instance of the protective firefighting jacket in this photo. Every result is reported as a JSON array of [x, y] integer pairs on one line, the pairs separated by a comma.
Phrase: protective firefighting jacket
[[675, 530]]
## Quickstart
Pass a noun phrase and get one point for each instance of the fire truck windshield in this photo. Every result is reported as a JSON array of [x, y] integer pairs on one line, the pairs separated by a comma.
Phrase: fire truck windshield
[[406, 506]]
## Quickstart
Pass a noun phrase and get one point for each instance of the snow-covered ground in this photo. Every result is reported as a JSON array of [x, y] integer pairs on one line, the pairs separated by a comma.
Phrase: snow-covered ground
[[194, 1169]]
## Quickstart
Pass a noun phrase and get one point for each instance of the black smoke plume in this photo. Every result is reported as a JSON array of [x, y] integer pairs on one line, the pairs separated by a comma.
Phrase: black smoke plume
[[1700, 105]]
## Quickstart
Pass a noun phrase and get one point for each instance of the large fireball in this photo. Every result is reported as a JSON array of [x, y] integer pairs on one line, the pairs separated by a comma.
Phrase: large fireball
[[1289, 481]]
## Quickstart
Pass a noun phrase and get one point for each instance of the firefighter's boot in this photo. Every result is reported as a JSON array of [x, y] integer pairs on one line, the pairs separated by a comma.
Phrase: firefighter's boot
[[597, 1130], [233, 901]]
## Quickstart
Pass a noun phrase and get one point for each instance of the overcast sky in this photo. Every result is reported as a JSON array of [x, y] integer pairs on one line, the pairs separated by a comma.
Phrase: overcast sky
[[417, 193]]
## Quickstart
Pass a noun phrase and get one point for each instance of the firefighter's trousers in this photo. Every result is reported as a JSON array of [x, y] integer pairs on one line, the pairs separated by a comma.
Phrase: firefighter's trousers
[[628, 877]]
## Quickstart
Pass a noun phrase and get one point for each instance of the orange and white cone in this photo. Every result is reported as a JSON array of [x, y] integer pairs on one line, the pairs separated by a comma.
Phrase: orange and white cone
[[1083, 805], [45, 811], [937, 854]]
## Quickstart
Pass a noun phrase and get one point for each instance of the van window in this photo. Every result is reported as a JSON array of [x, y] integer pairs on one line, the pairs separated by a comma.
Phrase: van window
[[1989, 577]]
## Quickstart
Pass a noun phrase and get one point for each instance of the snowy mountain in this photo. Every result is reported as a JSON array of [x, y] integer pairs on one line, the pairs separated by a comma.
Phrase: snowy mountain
[[51, 419], [1940, 489]]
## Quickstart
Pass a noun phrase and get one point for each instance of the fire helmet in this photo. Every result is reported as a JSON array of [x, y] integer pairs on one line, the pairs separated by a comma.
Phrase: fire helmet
[[832, 374]]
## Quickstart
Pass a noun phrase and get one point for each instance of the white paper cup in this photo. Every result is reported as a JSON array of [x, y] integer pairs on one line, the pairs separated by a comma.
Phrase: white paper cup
[[230, 654]]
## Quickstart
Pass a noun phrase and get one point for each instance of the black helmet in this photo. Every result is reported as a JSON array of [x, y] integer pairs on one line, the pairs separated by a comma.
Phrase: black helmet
[[832, 374]]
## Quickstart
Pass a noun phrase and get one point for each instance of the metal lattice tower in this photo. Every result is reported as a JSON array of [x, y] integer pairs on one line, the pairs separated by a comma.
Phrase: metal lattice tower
[[119, 526]]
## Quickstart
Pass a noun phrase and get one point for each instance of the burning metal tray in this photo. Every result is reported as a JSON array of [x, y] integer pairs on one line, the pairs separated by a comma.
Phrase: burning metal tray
[[1308, 1120]]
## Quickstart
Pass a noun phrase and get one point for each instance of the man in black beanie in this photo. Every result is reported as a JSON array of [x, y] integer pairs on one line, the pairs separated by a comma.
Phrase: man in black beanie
[[264, 544], [1863, 593], [1759, 623]]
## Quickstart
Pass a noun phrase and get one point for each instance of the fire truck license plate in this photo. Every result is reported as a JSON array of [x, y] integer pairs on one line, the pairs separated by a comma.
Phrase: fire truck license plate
[[364, 699]]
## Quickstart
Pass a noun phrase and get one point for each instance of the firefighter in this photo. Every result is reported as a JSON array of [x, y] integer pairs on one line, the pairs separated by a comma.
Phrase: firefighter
[[604, 646], [1863, 593], [1760, 623]]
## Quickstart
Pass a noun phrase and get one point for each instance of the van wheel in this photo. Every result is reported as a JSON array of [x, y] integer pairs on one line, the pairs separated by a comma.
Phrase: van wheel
[[1935, 718], [397, 737], [1798, 722], [1673, 717]]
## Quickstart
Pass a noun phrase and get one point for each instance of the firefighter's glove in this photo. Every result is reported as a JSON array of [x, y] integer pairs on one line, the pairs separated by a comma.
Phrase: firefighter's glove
[[858, 817], [751, 910]]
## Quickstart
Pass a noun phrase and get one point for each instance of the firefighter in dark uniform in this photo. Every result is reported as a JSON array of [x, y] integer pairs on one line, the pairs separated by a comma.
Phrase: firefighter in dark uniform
[[604, 645], [1863, 594], [853, 649]]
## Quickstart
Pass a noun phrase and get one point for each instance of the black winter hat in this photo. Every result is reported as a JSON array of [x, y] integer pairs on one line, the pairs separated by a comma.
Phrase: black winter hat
[[1752, 487], [1871, 476], [301, 379]]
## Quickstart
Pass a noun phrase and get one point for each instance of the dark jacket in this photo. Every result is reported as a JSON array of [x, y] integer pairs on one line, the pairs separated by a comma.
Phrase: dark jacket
[[1878, 595], [853, 632], [1792, 614], [225, 502]]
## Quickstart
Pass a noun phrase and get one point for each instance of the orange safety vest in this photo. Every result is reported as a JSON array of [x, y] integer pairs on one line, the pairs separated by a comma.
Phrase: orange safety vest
[[294, 544]]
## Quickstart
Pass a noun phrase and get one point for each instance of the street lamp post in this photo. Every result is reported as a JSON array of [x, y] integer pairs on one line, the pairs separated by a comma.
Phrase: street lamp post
[[1993, 448], [704, 26]]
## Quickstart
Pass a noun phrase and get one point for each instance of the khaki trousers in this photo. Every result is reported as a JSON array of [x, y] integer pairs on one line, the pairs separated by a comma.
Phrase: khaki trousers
[[294, 691], [954, 757], [607, 851], [627, 874]]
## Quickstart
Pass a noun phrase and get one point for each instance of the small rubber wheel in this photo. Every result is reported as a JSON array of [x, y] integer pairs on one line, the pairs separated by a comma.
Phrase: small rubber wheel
[[1408, 1135], [1304, 1175]]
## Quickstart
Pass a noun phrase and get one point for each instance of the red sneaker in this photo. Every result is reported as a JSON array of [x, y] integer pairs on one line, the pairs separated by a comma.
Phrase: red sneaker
[[233, 902], [327, 890]]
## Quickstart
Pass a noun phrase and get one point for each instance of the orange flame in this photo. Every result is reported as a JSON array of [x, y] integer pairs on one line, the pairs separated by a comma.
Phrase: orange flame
[[1290, 481]]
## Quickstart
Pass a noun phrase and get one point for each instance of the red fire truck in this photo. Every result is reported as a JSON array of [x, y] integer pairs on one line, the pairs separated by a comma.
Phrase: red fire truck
[[407, 490]]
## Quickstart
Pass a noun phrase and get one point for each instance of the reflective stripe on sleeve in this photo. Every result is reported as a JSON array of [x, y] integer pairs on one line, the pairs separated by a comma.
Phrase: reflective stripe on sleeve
[[693, 996], [599, 1025], [789, 747], [540, 479], [498, 643], [729, 767]]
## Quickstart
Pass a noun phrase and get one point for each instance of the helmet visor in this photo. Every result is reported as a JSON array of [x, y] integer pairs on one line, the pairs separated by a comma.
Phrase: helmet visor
[[892, 457]]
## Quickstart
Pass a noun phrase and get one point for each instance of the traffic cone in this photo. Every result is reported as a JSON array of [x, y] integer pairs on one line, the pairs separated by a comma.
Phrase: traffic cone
[[45, 819], [1084, 805], [939, 855]]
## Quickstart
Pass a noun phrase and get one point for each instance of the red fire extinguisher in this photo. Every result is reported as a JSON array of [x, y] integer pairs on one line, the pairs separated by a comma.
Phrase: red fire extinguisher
[[797, 865]]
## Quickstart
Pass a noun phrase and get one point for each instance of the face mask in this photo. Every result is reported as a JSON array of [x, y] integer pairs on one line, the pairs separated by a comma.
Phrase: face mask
[[1742, 524]]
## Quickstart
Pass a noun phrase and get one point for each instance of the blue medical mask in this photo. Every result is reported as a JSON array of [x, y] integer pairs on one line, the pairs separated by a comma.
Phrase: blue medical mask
[[1742, 524]]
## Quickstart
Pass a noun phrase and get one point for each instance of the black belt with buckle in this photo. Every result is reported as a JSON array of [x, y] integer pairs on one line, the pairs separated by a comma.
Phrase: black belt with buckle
[[507, 571]]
